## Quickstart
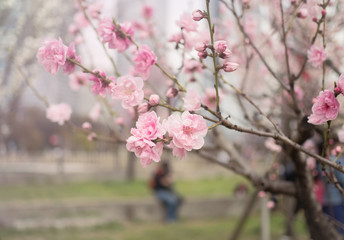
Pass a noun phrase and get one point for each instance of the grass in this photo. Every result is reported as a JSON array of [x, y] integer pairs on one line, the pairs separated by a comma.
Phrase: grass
[[97, 190], [190, 229]]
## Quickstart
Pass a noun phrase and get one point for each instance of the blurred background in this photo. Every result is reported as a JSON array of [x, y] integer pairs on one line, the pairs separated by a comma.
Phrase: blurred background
[[56, 184]]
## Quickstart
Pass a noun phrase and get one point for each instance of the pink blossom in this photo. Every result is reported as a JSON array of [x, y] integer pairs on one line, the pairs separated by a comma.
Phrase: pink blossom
[[52, 55], [129, 89], [270, 204], [177, 152], [147, 12], [77, 80], [120, 121], [230, 66], [226, 54], [143, 108], [192, 100], [86, 125], [316, 56], [220, 46], [69, 67], [185, 22], [261, 194], [99, 87], [154, 100], [325, 108], [340, 84], [177, 37], [106, 30], [209, 98], [187, 130], [192, 66], [59, 113], [143, 60], [197, 15], [94, 9], [95, 112], [80, 20], [148, 127], [271, 145], [144, 149], [121, 42]]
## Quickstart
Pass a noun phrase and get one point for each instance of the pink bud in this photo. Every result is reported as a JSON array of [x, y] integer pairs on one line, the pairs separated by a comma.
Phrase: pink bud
[[203, 54], [230, 66], [226, 54], [261, 194], [154, 100], [86, 125], [270, 204], [220, 46], [143, 108], [200, 47], [302, 13], [314, 19], [292, 1], [119, 121], [172, 92], [323, 12], [197, 15]]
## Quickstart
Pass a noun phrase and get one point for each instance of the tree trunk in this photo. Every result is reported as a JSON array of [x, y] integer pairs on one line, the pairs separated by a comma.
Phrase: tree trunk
[[319, 226]]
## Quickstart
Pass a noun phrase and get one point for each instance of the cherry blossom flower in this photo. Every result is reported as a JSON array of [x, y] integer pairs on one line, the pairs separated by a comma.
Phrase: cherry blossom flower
[[143, 108], [143, 60], [121, 42], [187, 130], [200, 46], [69, 67], [86, 125], [52, 55], [59, 113], [80, 20], [209, 98], [99, 87], [106, 30], [148, 128], [192, 66], [94, 9], [177, 152], [171, 92], [340, 84], [316, 56], [77, 80], [302, 13], [129, 89], [325, 108], [147, 12], [271, 145], [192, 100], [95, 112], [177, 37], [185, 22]]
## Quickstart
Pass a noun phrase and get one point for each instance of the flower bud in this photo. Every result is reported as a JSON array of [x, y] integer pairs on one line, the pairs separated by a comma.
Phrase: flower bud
[[314, 19], [220, 46], [120, 121], [200, 47], [226, 54], [154, 100], [197, 15], [302, 13], [323, 12], [203, 54], [143, 108], [172, 92], [230, 66]]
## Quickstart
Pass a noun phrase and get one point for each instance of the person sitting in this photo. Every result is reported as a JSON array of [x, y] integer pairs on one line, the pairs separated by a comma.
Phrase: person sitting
[[162, 184]]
